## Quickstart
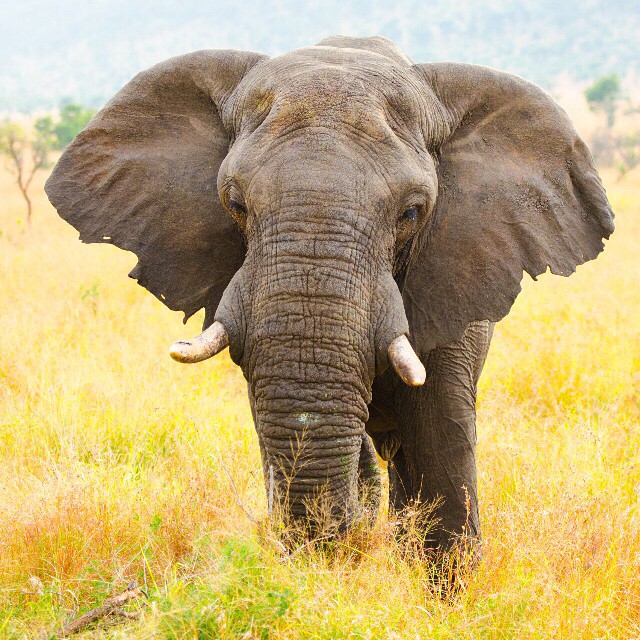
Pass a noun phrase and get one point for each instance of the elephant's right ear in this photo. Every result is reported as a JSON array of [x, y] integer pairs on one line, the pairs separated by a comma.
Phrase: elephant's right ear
[[142, 176]]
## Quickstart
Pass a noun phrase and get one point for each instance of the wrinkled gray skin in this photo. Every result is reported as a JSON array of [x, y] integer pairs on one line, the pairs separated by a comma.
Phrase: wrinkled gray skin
[[359, 197]]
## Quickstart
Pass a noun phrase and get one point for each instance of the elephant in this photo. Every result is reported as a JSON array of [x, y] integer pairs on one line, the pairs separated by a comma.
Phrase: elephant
[[353, 224]]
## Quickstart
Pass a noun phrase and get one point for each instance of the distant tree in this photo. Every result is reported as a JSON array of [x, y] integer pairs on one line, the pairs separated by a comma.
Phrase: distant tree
[[604, 95], [73, 119], [44, 127], [25, 155]]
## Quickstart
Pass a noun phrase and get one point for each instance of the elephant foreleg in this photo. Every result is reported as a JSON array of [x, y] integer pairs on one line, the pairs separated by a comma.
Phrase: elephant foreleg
[[436, 462]]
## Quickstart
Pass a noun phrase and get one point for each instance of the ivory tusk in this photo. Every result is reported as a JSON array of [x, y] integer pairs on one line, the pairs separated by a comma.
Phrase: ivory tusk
[[210, 342], [406, 362]]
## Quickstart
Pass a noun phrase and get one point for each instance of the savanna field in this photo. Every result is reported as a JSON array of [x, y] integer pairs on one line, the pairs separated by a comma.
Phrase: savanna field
[[118, 464]]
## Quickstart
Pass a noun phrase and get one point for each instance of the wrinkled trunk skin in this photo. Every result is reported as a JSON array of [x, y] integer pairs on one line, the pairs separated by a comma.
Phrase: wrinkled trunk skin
[[310, 361], [313, 292]]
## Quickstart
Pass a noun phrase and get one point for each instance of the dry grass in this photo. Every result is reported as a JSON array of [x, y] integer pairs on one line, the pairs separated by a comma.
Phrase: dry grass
[[113, 465]]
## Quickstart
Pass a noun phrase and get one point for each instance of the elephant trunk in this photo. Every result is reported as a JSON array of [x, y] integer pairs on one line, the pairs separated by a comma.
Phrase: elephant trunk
[[311, 438], [310, 408], [322, 316]]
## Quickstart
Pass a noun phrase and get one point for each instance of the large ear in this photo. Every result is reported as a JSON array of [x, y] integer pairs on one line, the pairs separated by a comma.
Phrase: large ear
[[517, 192], [142, 176]]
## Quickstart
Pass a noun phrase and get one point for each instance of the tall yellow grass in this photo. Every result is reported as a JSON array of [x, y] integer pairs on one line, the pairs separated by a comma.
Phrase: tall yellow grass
[[117, 463]]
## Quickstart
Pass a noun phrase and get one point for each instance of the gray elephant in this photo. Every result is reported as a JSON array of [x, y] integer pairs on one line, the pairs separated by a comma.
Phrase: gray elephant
[[353, 224]]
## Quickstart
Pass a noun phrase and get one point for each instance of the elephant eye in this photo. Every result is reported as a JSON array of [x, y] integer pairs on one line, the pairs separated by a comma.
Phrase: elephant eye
[[410, 214], [237, 207]]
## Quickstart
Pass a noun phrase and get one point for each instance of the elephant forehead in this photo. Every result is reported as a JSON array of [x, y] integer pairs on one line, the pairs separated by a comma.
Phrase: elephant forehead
[[327, 63], [323, 84], [309, 110]]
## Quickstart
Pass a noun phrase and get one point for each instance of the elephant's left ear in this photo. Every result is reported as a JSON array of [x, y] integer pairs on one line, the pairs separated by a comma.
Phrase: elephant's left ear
[[518, 191]]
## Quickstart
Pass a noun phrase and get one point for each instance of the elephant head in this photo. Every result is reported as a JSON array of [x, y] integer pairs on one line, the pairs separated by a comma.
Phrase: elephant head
[[323, 206]]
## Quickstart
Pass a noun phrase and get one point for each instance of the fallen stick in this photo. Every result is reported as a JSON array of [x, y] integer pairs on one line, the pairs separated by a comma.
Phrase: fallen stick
[[111, 606]]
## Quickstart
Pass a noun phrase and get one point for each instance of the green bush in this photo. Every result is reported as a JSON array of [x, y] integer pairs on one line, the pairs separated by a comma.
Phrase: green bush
[[73, 119]]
